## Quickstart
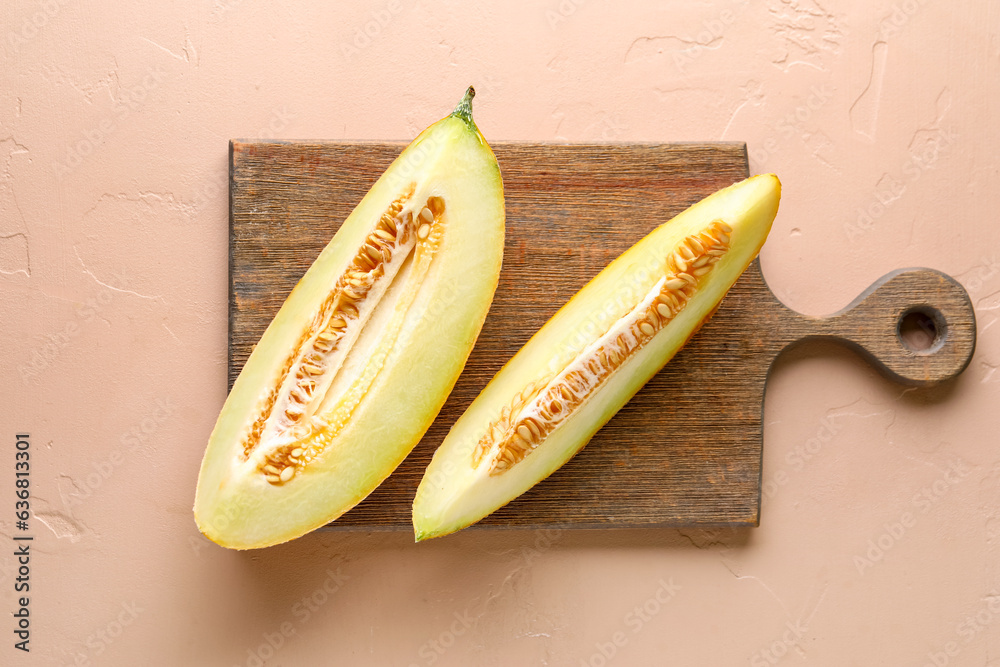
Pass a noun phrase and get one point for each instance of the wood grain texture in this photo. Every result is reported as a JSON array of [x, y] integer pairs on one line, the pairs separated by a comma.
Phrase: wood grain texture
[[687, 449]]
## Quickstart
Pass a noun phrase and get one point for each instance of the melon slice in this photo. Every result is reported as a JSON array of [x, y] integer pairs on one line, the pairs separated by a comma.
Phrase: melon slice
[[365, 350], [564, 384]]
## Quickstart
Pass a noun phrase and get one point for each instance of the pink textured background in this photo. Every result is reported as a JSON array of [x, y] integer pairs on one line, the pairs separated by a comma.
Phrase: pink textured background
[[114, 123]]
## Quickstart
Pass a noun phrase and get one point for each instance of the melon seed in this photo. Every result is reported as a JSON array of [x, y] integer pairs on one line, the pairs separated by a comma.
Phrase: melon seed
[[436, 205]]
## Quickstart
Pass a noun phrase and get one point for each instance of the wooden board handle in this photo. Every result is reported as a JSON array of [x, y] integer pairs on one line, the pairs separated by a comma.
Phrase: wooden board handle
[[872, 323]]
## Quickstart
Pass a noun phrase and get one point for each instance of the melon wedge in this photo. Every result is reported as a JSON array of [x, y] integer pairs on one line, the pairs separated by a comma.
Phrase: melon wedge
[[365, 350], [565, 383]]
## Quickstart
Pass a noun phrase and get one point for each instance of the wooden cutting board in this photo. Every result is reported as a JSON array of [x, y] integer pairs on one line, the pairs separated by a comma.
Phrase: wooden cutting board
[[687, 449]]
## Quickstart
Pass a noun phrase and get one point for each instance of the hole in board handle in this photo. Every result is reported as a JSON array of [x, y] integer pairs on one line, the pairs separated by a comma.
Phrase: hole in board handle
[[922, 330]]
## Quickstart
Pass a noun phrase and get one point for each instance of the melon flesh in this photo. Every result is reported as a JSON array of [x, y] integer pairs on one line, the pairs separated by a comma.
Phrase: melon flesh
[[363, 353], [565, 383]]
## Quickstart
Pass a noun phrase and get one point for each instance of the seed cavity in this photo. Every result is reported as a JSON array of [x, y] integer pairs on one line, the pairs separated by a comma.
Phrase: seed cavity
[[289, 419], [547, 402]]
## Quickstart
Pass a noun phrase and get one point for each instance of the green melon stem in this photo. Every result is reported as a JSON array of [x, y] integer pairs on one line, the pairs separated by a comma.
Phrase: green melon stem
[[464, 108]]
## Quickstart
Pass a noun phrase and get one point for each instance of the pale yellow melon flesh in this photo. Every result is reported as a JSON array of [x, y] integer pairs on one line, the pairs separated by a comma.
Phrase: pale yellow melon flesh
[[365, 350]]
